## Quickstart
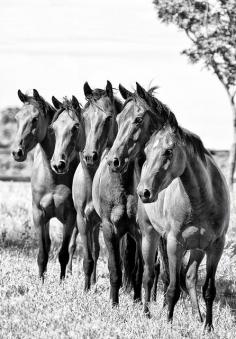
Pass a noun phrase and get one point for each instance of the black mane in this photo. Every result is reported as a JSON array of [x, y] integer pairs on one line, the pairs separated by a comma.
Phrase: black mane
[[66, 106], [43, 105], [98, 94], [163, 115], [191, 140]]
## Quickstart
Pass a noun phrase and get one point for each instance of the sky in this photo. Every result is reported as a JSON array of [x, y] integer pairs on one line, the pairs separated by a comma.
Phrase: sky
[[57, 45]]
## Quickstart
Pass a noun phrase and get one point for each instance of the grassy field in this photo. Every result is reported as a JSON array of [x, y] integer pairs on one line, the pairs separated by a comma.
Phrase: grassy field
[[29, 309]]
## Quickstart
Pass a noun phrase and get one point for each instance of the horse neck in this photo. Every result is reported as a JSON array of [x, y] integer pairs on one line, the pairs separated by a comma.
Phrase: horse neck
[[195, 180], [48, 143], [131, 177], [117, 107]]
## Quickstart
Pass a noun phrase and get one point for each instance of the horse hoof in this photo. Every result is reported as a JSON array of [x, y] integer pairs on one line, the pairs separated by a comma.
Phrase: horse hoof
[[147, 312], [208, 328], [138, 301], [115, 304]]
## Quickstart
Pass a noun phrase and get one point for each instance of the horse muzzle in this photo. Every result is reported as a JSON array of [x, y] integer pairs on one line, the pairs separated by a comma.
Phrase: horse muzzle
[[116, 165], [91, 159], [60, 167], [19, 154], [145, 195]]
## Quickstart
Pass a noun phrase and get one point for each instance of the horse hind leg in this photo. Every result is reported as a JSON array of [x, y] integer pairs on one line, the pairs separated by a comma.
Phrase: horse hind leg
[[157, 273], [214, 253], [191, 276], [95, 251], [64, 251], [72, 248], [137, 275]]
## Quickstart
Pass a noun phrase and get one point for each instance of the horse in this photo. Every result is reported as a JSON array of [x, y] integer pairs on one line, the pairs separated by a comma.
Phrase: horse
[[51, 192], [186, 196], [68, 128], [97, 121], [99, 114], [115, 201], [137, 122]]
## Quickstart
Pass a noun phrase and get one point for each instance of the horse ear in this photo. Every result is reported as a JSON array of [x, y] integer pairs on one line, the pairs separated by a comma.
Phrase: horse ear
[[87, 90], [124, 92], [36, 95], [141, 91], [75, 103], [56, 103], [109, 90], [22, 97]]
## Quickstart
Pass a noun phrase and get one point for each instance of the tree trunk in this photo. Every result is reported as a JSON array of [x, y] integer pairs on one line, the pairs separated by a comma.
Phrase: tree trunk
[[232, 155]]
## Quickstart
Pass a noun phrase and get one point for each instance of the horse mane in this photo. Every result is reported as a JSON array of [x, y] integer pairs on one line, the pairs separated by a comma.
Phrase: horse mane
[[66, 106], [163, 116], [97, 93], [118, 104], [191, 140], [43, 105]]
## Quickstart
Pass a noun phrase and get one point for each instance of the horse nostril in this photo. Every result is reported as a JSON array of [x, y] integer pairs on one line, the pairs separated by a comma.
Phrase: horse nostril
[[116, 162], [61, 166], [146, 194], [95, 156], [20, 153]]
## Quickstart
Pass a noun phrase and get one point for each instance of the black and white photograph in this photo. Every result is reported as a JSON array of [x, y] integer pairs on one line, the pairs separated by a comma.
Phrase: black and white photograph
[[117, 169]]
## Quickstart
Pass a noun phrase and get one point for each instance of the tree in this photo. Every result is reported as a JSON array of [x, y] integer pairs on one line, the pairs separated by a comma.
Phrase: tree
[[211, 27]]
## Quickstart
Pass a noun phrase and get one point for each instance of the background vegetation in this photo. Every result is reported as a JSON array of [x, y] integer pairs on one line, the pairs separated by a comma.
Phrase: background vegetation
[[53, 310]]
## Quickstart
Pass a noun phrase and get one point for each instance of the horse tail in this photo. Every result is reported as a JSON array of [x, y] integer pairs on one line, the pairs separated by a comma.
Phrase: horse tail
[[132, 262]]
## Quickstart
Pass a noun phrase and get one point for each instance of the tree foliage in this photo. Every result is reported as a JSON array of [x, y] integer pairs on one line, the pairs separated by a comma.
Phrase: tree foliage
[[211, 27]]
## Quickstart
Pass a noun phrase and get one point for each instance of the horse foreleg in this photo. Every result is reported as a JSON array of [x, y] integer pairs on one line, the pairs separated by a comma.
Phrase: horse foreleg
[[157, 273], [95, 251], [137, 274], [64, 251], [149, 248], [72, 248], [175, 253], [114, 262], [195, 259], [214, 253], [42, 225], [85, 236]]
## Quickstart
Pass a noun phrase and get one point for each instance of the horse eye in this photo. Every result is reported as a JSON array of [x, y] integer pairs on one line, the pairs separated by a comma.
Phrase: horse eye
[[75, 128], [34, 120], [138, 120], [50, 129], [168, 153]]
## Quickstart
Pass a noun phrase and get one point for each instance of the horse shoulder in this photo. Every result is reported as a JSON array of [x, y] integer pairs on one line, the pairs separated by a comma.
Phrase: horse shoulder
[[81, 187], [171, 207], [96, 186]]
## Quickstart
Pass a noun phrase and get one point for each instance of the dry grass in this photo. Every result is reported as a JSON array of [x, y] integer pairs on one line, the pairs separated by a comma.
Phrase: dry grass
[[32, 310]]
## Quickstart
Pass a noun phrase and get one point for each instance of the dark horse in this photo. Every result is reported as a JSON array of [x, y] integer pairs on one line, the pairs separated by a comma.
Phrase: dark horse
[[115, 201], [98, 114], [51, 192], [98, 121], [191, 197]]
